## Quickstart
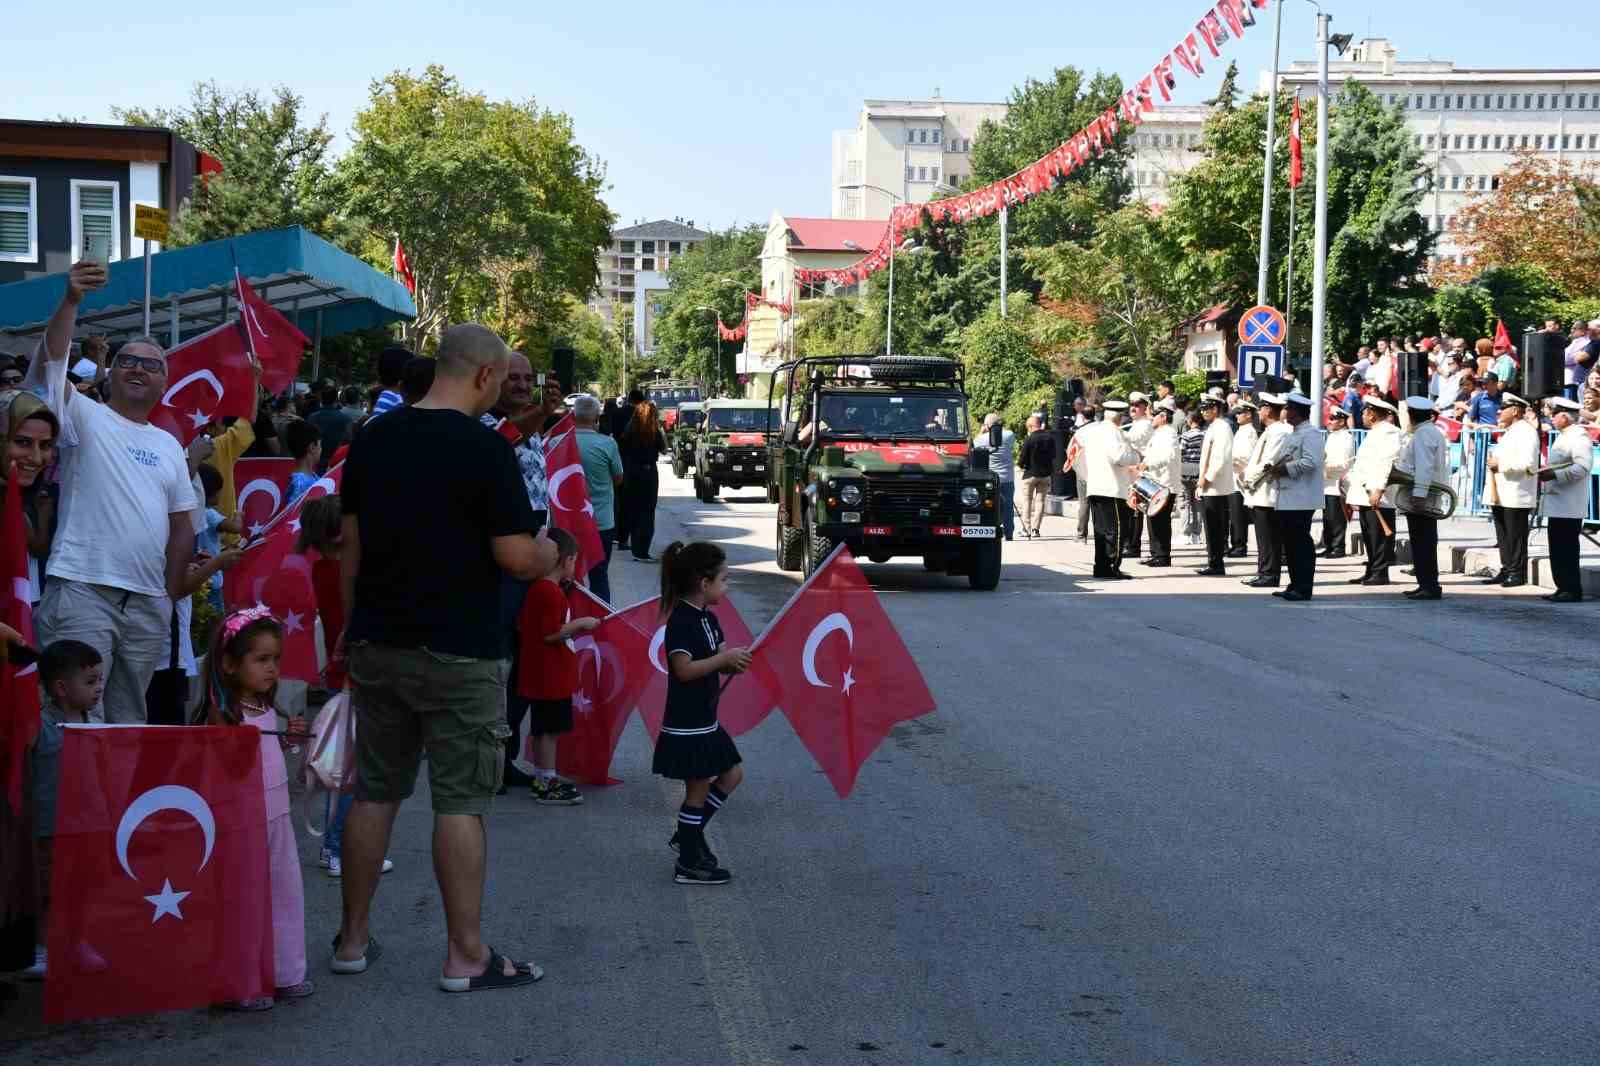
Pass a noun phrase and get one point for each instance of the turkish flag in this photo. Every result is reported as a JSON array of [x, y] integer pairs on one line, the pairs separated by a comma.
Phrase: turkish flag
[[276, 343], [834, 662], [402, 267], [161, 894], [19, 685], [263, 486], [273, 573], [210, 378], [742, 707], [1502, 341], [611, 665], [1296, 165], [570, 508]]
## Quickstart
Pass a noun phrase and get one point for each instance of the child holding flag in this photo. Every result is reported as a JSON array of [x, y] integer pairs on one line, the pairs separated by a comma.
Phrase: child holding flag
[[693, 746], [548, 671]]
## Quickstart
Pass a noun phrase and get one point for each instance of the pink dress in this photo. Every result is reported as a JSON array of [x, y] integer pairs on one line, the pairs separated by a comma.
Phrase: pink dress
[[288, 887]]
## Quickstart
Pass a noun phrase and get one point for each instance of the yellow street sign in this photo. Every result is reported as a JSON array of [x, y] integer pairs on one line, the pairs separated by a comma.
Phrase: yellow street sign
[[150, 223]]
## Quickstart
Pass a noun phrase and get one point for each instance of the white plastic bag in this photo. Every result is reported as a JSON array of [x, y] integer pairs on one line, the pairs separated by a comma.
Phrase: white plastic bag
[[330, 762]]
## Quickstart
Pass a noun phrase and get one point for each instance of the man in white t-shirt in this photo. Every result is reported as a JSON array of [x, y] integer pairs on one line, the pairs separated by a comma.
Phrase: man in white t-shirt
[[123, 548]]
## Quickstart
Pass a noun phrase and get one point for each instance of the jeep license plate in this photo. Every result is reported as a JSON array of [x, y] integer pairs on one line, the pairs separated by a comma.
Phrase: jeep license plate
[[946, 531], [758, 469], [738, 469], [974, 532]]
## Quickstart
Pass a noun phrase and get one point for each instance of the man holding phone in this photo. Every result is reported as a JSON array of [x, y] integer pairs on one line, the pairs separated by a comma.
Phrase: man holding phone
[[124, 540]]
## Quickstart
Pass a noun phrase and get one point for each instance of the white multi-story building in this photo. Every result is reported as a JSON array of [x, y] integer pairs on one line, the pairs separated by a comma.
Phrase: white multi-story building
[[633, 267], [904, 151], [1468, 121], [1165, 145]]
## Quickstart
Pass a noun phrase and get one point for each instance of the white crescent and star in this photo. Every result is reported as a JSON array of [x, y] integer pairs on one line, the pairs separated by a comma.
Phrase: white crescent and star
[[840, 621], [165, 798], [267, 486], [559, 480], [656, 644]]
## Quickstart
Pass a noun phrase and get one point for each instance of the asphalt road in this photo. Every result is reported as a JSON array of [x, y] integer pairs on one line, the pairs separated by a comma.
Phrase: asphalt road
[[1169, 820]]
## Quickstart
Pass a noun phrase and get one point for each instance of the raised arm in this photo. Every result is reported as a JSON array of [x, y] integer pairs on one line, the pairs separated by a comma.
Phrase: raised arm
[[85, 276]]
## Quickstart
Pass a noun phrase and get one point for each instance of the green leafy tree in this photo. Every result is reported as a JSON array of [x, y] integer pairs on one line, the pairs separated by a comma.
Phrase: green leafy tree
[[1227, 97], [277, 169], [715, 273], [597, 348], [831, 326], [1003, 367], [497, 204], [1520, 296]]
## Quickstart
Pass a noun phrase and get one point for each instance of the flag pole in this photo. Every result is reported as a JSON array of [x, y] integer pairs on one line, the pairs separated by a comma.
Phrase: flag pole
[[1288, 285], [1266, 176], [1319, 283]]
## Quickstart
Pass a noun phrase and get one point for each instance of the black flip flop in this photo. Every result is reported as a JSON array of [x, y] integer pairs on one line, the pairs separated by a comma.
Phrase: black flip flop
[[493, 976]]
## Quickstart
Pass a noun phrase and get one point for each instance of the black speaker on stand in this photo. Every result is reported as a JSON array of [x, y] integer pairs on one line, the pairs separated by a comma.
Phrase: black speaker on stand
[[1061, 432], [1413, 374], [1218, 379], [1543, 365], [563, 359]]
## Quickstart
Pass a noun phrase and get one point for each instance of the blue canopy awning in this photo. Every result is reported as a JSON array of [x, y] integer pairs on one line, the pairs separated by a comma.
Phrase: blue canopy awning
[[191, 289]]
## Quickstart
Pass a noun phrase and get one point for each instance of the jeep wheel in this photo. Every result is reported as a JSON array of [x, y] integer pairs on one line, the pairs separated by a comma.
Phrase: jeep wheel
[[789, 548], [679, 469], [711, 489], [985, 571], [700, 488], [817, 548], [772, 493]]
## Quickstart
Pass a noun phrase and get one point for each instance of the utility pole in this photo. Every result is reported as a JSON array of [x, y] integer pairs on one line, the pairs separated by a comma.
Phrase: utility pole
[[1319, 281], [1266, 175]]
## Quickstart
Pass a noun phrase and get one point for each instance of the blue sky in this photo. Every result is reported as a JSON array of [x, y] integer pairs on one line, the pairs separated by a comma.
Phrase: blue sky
[[716, 111]]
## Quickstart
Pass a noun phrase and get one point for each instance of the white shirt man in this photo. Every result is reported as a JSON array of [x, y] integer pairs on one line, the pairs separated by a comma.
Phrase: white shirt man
[[1339, 453], [1515, 462], [1370, 491], [1215, 483], [1425, 458], [1163, 462], [1299, 462], [1105, 469], [1566, 498]]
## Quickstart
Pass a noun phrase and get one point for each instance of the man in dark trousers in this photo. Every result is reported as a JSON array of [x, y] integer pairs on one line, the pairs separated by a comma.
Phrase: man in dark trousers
[[1037, 460]]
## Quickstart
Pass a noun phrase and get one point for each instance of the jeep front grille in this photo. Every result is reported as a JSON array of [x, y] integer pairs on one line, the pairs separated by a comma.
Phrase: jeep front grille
[[905, 499]]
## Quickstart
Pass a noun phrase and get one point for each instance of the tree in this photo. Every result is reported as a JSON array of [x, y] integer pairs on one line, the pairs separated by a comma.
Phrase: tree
[[715, 273], [1002, 364], [1520, 296], [1227, 98], [1040, 116], [831, 326], [277, 169], [498, 206], [597, 348], [1538, 217]]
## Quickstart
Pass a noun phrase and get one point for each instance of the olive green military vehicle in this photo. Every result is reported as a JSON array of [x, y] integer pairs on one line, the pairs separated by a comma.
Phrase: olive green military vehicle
[[731, 450], [681, 438], [873, 452]]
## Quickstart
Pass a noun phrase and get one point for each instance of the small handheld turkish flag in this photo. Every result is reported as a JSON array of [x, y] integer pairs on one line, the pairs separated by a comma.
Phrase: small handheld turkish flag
[[276, 343], [19, 685], [833, 661], [273, 573], [160, 882], [210, 378], [611, 664], [743, 707], [1502, 341], [570, 508], [263, 485]]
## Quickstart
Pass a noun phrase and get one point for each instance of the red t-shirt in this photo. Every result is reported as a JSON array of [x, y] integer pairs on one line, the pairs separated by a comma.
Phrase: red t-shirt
[[547, 671]]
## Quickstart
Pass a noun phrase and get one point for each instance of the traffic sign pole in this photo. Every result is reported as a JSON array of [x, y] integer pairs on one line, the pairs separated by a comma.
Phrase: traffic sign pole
[[149, 224]]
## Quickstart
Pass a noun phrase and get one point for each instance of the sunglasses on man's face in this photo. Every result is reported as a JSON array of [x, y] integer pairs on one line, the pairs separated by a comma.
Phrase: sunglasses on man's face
[[148, 363], [10, 379]]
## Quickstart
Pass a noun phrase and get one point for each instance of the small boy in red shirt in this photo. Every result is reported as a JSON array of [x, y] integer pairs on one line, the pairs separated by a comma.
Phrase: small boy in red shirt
[[549, 669]]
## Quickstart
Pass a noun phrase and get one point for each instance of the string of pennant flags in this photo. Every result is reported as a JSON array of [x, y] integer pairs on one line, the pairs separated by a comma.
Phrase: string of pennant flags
[[751, 302], [1220, 23]]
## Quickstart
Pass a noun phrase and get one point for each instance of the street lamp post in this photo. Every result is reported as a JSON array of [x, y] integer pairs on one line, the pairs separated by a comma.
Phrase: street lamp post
[[910, 247], [1266, 176], [1319, 279]]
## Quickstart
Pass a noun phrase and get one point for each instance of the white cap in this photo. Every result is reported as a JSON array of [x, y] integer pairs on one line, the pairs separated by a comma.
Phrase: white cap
[[1273, 399], [1113, 405], [1137, 397], [1381, 404], [1512, 398], [1215, 393], [1299, 399], [1419, 403], [1561, 403], [1339, 412], [1245, 401], [1168, 404]]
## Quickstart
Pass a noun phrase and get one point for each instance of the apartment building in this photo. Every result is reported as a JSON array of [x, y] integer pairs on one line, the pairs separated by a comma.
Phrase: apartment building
[[904, 151], [1469, 121], [633, 267], [1165, 145]]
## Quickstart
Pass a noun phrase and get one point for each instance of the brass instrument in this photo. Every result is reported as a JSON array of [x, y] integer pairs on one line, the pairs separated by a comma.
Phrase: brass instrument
[[1440, 502]]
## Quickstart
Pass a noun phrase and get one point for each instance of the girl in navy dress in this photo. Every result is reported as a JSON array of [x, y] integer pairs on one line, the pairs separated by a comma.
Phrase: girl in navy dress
[[692, 747]]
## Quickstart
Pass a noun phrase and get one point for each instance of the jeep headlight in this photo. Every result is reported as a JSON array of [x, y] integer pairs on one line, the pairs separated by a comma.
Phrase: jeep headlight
[[969, 496], [719, 457], [850, 494]]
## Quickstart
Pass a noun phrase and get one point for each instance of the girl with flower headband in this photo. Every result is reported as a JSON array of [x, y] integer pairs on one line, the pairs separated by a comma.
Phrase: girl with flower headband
[[242, 683]]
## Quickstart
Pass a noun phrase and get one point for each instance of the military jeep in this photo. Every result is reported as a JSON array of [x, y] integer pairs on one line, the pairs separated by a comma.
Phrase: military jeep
[[731, 448], [681, 437], [667, 395], [873, 453]]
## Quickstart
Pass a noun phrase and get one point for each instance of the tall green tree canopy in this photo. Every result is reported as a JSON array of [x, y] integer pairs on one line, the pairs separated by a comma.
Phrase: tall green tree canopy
[[277, 169], [715, 273], [498, 206]]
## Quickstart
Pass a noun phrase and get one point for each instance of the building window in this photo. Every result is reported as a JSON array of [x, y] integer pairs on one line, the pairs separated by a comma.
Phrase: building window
[[935, 172], [1569, 101], [1499, 141], [1417, 138], [95, 218], [1583, 101], [19, 220], [625, 296], [1494, 183], [1564, 143], [1524, 140], [1455, 181], [1472, 142], [674, 247], [1430, 141], [647, 247], [922, 173], [1460, 102], [936, 137], [911, 172], [627, 248], [1527, 101], [1541, 101], [1474, 103], [1457, 145], [647, 264], [1594, 141], [1169, 141], [1433, 103], [1500, 101], [1512, 106], [1538, 140], [625, 279]]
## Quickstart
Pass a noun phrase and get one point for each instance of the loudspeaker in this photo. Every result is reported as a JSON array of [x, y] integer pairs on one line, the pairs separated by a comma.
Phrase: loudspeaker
[[1218, 379], [1543, 364], [1414, 374], [1272, 383], [563, 359]]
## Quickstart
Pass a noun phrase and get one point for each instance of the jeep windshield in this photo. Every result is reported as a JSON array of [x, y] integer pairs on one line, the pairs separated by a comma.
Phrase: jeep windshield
[[691, 417], [672, 397], [918, 417], [743, 419]]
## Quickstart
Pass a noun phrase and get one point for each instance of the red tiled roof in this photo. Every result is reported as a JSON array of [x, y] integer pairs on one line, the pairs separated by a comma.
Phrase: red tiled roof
[[829, 234]]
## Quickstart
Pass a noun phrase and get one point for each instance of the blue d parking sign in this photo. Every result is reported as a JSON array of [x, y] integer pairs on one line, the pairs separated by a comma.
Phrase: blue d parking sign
[[1257, 361]]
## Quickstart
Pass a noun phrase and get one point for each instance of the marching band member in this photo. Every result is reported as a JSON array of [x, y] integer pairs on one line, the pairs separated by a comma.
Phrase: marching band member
[[1515, 462], [1215, 484], [1260, 490], [1369, 488], [1244, 443], [1299, 493], [1140, 427], [1105, 465], [1566, 496], [1339, 453], [1425, 456], [1163, 462]]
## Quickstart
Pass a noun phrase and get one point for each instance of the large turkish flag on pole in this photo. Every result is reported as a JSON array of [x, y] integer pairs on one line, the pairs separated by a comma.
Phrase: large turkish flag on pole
[[209, 378], [1296, 171], [263, 486], [570, 508], [739, 710], [276, 342], [833, 661], [160, 889], [19, 685]]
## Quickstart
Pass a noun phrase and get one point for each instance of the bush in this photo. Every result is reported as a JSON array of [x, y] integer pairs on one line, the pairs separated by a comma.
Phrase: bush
[[1017, 411], [1002, 366]]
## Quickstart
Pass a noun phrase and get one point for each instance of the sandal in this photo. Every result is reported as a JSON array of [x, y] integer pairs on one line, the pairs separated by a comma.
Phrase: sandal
[[493, 976], [354, 966]]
